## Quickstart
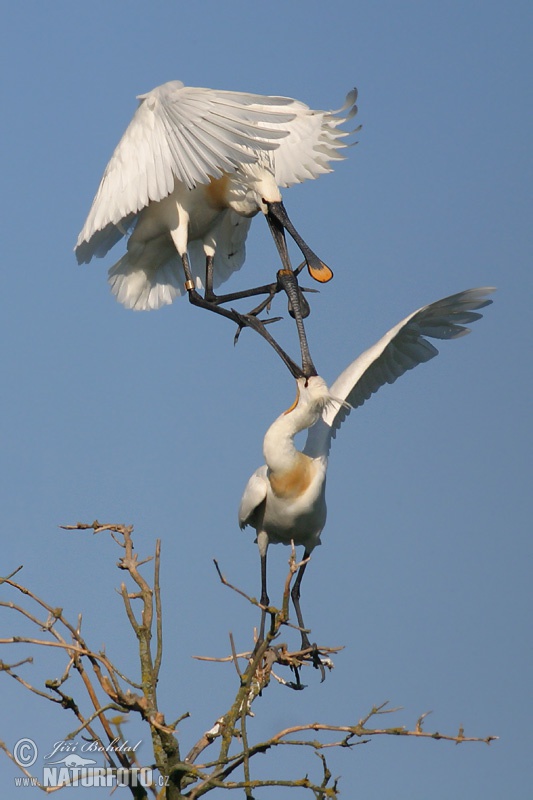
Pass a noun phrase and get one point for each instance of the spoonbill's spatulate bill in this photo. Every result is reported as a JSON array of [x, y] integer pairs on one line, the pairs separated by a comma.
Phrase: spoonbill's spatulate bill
[[191, 170], [284, 500]]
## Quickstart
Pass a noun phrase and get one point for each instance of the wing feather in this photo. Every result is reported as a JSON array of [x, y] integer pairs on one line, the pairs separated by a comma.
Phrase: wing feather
[[254, 496], [314, 139], [191, 135], [401, 349], [184, 133]]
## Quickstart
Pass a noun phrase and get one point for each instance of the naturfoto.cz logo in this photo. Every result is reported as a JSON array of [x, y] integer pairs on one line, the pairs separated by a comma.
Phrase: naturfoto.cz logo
[[66, 766]]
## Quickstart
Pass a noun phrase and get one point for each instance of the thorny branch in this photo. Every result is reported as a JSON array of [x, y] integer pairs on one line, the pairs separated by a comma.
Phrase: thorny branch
[[102, 679]]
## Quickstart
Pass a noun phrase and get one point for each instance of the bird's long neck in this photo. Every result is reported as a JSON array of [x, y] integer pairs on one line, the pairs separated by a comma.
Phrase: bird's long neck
[[278, 445]]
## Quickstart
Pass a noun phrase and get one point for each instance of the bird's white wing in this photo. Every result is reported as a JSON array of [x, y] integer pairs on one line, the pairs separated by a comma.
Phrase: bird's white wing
[[401, 349], [254, 495], [184, 133], [314, 139]]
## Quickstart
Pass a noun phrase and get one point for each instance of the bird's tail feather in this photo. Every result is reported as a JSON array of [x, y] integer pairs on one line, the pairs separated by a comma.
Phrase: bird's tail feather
[[148, 288], [150, 275]]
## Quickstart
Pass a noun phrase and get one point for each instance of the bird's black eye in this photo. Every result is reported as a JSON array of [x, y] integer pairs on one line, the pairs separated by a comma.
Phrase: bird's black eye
[[306, 382]]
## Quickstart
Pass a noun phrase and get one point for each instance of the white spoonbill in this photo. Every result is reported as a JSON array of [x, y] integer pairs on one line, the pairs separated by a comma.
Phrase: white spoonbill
[[191, 170], [284, 500]]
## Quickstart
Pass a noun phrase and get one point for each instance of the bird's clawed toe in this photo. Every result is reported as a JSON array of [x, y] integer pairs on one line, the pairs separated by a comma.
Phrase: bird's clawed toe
[[250, 320], [317, 663], [311, 653]]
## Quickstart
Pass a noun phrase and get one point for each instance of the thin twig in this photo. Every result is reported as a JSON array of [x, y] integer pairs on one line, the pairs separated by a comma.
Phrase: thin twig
[[158, 611], [11, 574]]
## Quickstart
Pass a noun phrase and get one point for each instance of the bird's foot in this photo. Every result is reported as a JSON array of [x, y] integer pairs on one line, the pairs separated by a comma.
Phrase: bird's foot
[[312, 653], [270, 289], [196, 299], [258, 325], [296, 684], [251, 320]]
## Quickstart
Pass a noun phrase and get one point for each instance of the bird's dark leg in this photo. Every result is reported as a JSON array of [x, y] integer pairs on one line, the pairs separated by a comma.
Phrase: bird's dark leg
[[251, 321], [265, 600], [262, 544], [189, 282], [196, 299], [270, 289], [209, 294], [242, 320], [295, 595], [211, 297]]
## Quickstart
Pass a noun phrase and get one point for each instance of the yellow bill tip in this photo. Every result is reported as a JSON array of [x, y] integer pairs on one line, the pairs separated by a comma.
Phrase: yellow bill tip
[[322, 274]]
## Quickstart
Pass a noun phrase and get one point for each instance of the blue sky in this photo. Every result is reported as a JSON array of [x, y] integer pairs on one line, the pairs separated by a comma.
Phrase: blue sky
[[157, 420]]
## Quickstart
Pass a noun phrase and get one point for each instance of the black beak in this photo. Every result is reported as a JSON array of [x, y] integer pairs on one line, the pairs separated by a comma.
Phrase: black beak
[[277, 229], [279, 222]]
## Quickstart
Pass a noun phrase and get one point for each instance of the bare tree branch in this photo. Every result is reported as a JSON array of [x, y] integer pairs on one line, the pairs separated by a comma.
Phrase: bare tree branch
[[108, 690]]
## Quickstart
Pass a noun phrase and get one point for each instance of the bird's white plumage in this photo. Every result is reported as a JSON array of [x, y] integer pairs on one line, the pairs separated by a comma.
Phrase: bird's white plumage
[[322, 410], [179, 141], [161, 278], [400, 349], [285, 497], [254, 495], [180, 133], [313, 139]]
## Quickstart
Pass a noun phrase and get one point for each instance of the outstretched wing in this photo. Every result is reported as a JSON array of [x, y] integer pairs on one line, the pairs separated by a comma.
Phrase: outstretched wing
[[401, 349], [184, 133], [314, 139]]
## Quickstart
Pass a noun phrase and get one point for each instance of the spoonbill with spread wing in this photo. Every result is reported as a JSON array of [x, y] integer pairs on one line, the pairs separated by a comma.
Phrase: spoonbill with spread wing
[[284, 500], [191, 170]]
